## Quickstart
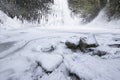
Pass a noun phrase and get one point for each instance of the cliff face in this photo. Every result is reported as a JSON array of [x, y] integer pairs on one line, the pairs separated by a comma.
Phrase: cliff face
[[113, 9], [25, 9], [88, 9]]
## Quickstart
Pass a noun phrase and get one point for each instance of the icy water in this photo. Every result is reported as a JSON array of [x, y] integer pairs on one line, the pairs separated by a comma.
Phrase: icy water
[[5, 46]]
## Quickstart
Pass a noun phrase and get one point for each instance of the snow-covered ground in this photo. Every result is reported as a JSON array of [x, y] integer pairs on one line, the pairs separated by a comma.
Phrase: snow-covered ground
[[41, 54], [31, 51]]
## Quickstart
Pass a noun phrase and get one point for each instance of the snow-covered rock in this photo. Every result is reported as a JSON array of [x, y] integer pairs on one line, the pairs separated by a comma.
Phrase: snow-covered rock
[[49, 48], [87, 67], [50, 62], [45, 48], [83, 44], [104, 50], [60, 64]]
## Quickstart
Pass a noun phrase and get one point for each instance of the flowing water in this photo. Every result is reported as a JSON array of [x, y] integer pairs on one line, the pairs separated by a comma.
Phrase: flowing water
[[61, 15]]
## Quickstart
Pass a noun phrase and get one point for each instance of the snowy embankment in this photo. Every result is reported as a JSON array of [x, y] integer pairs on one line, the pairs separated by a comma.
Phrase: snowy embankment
[[38, 54]]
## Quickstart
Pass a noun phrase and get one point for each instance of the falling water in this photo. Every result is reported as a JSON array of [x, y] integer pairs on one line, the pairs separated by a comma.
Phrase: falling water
[[61, 15]]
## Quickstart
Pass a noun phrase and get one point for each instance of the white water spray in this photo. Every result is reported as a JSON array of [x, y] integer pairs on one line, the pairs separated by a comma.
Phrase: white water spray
[[61, 15]]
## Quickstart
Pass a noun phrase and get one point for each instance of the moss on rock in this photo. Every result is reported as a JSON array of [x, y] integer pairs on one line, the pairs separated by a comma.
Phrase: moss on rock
[[25, 9], [113, 9], [88, 9]]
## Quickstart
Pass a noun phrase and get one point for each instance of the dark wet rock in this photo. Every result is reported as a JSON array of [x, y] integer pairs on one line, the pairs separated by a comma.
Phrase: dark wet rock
[[114, 45], [85, 44], [74, 76], [71, 45]]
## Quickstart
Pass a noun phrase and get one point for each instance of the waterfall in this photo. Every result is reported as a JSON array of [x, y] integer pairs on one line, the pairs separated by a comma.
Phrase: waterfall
[[61, 15]]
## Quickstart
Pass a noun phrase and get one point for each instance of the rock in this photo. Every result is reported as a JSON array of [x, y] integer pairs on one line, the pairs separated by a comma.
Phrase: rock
[[114, 45], [86, 43], [74, 76], [71, 45], [50, 48], [49, 62], [44, 48], [99, 53], [104, 50], [86, 9], [82, 44]]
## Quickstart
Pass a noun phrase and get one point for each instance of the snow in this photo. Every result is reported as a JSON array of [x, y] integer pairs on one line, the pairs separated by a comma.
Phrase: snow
[[50, 62], [7, 21], [93, 68], [26, 53], [58, 64], [91, 39], [31, 52]]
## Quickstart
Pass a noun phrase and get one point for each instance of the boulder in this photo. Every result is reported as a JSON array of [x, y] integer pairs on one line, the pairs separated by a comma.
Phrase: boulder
[[71, 45], [74, 76], [104, 50], [50, 48], [99, 53], [85, 44], [49, 62]]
